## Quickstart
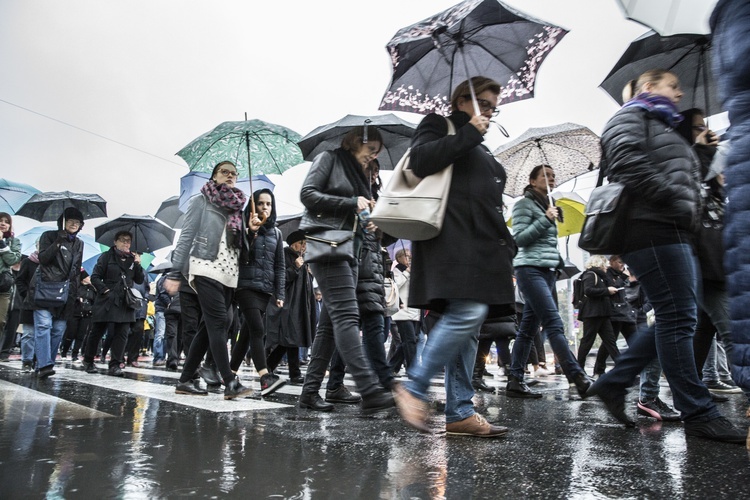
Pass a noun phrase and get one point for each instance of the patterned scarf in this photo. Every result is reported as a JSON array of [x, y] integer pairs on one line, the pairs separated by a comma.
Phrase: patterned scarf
[[661, 106], [231, 200]]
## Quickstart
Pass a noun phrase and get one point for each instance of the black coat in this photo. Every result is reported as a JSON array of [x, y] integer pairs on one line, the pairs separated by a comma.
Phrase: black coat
[[596, 301], [370, 288], [59, 260], [472, 257], [109, 306], [294, 324], [24, 287]]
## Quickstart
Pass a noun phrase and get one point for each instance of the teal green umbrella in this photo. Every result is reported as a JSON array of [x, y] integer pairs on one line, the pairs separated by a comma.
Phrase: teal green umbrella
[[254, 146]]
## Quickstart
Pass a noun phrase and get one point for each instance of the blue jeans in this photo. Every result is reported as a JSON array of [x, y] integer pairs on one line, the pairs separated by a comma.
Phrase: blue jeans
[[668, 275], [650, 377], [161, 327], [537, 285], [27, 343], [452, 344], [48, 333]]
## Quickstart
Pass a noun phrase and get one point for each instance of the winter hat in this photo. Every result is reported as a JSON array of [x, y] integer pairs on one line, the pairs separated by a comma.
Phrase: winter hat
[[70, 213], [295, 236]]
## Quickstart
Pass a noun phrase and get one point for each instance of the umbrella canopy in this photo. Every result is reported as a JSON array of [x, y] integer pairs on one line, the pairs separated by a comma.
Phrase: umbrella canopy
[[573, 207], [14, 194], [46, 207], [568, 148], [398, 245], [191, 184], [687, 56], [568, 270], [474, 38], [288, 223], [252, 145], [396, 134], [170, 213], [161, 267], [149, 234], [28, 241], [670, 17]]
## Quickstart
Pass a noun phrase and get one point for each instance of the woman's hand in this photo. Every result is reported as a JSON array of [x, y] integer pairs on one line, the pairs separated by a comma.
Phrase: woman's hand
[[364, 204], [254, 223], [279, 303], [612, 290], [299, 261], [551, 213], [707, 138], [481, 123], [137, 258], [172, 286]]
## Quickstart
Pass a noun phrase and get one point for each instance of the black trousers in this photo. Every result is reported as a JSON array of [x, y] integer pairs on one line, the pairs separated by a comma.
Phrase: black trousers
[[9, 332], [591, 327], [215, 302], [118, 335], [252, 332], [173, 339], [618, 327], [135, 341], [75, 334], [275, 356]]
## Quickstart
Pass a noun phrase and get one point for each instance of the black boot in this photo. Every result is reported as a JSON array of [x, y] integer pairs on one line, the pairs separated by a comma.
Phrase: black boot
[[516, 388], [582, 382], [314, 402]]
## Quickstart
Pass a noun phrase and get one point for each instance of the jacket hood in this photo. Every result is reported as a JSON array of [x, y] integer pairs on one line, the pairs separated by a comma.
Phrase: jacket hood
[[70, 213], [271, 221]]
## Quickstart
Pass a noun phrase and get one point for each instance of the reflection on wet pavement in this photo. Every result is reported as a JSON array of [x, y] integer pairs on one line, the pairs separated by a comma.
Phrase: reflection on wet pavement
[[92, 436]]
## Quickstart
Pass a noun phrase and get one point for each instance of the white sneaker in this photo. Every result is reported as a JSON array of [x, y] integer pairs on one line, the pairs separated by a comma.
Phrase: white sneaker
[[543, 372]]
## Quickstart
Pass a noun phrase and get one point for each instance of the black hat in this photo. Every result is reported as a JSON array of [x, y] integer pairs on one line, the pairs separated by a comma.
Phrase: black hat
[[73, 213], [295, 236]]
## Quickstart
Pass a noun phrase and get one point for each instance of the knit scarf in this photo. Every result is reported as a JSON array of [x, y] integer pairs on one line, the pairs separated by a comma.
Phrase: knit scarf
[[354, 172], [659, 105], [231, 200]]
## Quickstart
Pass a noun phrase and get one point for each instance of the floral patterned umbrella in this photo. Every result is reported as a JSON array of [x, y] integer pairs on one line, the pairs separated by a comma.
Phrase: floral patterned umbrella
[[474, 38], [570, 149], [252, 145]]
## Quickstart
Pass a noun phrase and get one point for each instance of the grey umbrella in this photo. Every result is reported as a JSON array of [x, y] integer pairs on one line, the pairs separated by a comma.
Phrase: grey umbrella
[[149, 233], [170, 213], [49, 206], [396, 135], [570, 150]]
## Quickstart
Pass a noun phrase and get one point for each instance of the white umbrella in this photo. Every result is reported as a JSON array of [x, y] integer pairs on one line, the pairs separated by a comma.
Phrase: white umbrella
[[670, 17]]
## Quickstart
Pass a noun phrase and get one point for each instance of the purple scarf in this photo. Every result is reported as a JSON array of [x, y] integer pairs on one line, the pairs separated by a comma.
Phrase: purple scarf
[[230, 199], [661, 106]]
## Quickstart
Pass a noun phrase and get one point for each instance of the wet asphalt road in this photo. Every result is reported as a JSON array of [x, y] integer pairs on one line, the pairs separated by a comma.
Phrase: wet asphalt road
[[92, 436]]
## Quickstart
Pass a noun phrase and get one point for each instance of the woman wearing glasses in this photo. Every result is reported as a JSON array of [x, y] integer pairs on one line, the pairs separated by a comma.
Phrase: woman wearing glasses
[[466, 271], [207, 255]]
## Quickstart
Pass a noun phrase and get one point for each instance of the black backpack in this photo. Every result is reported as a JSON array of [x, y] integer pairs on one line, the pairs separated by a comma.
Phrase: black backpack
[[578, 294]]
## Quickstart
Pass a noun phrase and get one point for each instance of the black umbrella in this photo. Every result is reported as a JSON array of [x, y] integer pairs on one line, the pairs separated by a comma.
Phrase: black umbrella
[[149, 234], [46, 207], [687, 56], [474, 38], [288, 224], [169, 212], [395, 131], [568, 271], [162, 267]]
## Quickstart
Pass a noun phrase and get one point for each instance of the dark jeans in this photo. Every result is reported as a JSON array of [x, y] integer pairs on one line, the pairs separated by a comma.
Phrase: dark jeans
[[216, 305], [408, 346], [603, 327], [339, 328], [275, 356], [172, 339], [9, 332], [336, 372], [252, 332], [538, 287], [395, 352], [668, 276], [373, 340], [117, 333]]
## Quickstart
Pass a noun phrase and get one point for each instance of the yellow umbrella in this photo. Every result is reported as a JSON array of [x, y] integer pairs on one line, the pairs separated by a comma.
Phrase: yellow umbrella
[[572, 206]]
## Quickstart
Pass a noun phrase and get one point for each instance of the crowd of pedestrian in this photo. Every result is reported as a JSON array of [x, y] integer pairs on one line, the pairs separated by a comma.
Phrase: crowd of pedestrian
[[236, 280]]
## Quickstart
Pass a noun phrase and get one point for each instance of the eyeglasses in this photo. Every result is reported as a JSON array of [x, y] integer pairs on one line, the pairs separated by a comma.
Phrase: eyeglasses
[[74, 222], [227, 173], [485, 105], [125, 240]]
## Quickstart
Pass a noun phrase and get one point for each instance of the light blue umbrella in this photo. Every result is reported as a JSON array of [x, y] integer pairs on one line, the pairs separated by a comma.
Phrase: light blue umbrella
[[14, 194], [191, 184]]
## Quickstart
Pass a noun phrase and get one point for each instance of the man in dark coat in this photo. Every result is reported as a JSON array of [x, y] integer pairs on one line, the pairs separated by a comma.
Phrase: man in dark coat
[[60, 257], [292, 326]]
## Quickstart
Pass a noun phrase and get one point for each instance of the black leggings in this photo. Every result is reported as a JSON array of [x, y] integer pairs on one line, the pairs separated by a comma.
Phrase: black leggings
[[252, 332]]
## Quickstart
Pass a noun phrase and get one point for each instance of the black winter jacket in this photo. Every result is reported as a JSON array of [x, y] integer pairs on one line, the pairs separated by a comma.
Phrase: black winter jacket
[[60, 260], [110, 306], [264, 270], [370, 289], [596, 302], [662, 174]]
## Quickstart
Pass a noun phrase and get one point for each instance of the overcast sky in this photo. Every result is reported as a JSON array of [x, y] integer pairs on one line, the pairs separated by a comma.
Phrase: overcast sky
[[155, 74]]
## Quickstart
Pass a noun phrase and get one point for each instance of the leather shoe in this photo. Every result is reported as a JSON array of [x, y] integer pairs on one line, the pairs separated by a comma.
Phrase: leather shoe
[[314, 402], [89, 367], [377, 401], [191, 387], [718, 429], [413, 410], [342, 395], [582, 382], [47, 371], [299, 380], [235, 389], [476, 426], [516, 388], [480, 385], [115, 371], [614, 401]]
